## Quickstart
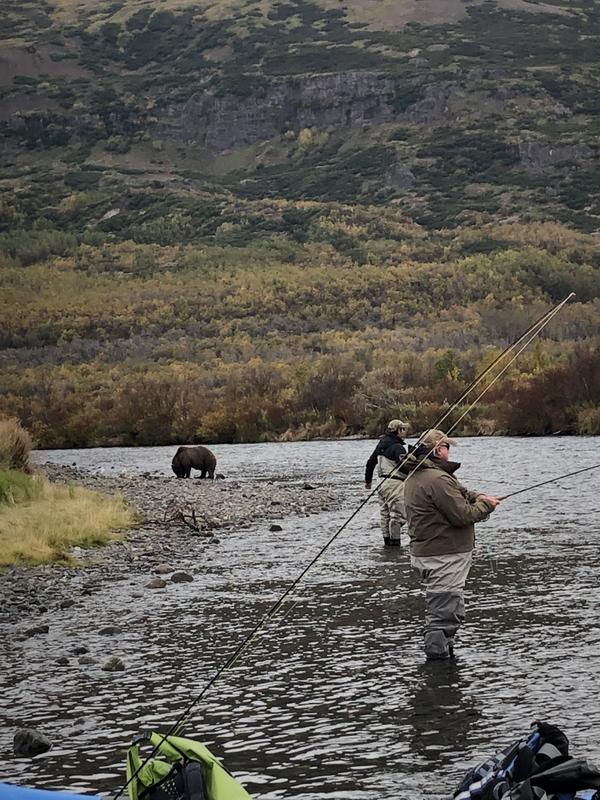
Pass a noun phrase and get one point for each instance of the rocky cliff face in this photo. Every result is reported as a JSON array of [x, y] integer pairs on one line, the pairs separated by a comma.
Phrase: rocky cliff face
[[223, 123], [536, 156], [443, 118]]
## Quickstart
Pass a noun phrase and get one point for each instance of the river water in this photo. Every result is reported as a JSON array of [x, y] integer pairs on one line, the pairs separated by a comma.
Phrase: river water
[[333, 700]]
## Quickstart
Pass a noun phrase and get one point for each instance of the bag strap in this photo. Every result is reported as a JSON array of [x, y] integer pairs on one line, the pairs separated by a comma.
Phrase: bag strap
[[193, 779]]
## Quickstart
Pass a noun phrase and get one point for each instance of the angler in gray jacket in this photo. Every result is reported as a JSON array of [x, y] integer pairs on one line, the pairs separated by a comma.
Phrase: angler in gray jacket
[[387, 457], [441, 517]]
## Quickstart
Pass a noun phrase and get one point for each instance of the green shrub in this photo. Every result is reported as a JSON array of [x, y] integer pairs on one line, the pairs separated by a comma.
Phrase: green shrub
[[28, 247], [15, 487]]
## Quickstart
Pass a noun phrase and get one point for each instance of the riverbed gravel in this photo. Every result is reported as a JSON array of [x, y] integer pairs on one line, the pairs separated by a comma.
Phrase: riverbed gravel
[[174, 516]]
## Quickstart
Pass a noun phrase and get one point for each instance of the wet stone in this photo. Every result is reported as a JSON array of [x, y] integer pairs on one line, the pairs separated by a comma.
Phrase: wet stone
[[181, 577], [29, 742], [275, 527], [113, 664], [80, 650], [156, 583], [36, 630], [109, 630], [163, 569]]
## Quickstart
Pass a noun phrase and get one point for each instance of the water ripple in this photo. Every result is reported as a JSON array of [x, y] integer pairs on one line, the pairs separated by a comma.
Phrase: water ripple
[[333, 700]]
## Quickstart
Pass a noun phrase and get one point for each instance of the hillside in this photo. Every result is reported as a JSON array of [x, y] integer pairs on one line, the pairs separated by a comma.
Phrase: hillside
[[447, 109], [318, 189]]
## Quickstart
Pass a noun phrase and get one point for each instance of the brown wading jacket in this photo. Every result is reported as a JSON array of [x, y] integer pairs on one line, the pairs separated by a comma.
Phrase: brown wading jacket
[[441, 514]]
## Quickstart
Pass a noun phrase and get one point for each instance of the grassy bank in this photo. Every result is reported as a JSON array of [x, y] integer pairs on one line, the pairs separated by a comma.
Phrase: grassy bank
[[41, 522]]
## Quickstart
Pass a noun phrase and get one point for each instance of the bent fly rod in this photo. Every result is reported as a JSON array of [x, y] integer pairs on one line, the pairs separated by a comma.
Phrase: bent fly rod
[[551, 480], [523, 340], [521, 343]]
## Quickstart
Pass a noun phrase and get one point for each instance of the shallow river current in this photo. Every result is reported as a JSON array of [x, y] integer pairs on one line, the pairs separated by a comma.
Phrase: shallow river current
[[333, 700]]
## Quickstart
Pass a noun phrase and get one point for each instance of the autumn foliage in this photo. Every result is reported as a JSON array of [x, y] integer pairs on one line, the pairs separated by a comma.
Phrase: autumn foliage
[[125, 343]]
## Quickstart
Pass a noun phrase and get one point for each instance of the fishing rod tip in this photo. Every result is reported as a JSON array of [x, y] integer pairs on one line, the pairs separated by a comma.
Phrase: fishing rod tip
[[571, 295]]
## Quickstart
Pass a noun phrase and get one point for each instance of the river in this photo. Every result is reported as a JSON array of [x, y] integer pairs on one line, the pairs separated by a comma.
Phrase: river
[[333, 700]]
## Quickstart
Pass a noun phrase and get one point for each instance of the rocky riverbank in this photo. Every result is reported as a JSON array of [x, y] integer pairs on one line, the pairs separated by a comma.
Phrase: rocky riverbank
[[176, 517]]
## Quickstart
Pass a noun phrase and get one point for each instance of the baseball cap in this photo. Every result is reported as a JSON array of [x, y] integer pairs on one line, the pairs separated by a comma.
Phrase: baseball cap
[[433, 438], [397, 425]]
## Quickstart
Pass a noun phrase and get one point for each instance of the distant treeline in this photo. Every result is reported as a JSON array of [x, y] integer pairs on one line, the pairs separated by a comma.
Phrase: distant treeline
[[127, 343], [330, 396]]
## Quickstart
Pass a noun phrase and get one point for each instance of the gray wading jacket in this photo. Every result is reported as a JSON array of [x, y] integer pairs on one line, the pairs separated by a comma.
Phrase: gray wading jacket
[[441, 513], [388, 453]]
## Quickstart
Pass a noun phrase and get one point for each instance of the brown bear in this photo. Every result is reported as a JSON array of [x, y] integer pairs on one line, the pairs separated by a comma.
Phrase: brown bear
[[198, 457]]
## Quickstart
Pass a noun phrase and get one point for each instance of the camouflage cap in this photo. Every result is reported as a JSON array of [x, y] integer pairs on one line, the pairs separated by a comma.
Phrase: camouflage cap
[[397, 425]]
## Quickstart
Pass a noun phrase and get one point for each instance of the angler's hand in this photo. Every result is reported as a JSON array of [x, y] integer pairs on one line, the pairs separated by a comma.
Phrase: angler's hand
[[367, 486], [490, 499]]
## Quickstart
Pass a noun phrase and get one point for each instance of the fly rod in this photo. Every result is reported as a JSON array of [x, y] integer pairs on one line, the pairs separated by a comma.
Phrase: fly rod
[[522, 343], [532, 331], [551, 480]]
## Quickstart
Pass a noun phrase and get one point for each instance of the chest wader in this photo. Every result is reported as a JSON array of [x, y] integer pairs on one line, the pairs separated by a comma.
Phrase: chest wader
[[391, 502], [444, 578]]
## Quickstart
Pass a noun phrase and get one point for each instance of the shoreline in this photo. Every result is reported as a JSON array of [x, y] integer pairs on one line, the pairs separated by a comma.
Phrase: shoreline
[[176, 516]]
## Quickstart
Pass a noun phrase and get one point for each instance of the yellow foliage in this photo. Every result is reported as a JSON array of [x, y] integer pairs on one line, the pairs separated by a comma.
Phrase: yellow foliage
[[132, 343], [57, 518]]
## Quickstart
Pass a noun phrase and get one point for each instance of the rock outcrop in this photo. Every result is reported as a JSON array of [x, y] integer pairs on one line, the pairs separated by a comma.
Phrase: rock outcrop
[[537, 156], [222, 123]]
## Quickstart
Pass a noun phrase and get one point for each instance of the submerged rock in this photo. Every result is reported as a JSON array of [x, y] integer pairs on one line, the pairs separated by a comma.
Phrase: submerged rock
[[29, 742], [37, 629], [163, 569], [109, 630], [181, 577], [113, 664], [156, 583]]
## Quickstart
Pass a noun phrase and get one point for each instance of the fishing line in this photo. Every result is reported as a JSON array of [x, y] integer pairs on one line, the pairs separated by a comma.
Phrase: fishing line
[[506, 366], [541, 323], [531, 332], [551, 480]]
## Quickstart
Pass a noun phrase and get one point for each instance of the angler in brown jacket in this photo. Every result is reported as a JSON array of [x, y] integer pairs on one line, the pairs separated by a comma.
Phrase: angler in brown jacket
[[441, 517]]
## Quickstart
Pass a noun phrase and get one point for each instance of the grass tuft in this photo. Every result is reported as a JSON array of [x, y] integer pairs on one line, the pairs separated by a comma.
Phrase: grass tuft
[[15, 446], [40, 522], [16, 487]]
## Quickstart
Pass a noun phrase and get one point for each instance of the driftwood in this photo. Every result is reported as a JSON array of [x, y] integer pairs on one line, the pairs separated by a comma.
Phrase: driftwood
[[187, 515]]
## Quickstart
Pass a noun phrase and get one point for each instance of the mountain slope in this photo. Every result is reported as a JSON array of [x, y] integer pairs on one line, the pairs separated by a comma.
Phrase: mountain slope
[[246, 219], [446, 108]]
